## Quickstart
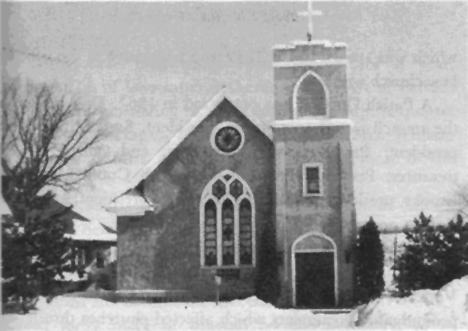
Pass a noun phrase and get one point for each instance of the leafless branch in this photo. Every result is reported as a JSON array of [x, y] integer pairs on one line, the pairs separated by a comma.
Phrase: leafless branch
[[46, 135], [460, 199]]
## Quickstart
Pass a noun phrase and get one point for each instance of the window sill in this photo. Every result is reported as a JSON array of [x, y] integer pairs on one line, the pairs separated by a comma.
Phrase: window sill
[[308, 195], [227, 267]]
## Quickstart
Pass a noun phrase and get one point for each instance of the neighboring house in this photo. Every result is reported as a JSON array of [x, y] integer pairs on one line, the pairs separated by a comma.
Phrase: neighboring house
[[206, 203], [94, 244]]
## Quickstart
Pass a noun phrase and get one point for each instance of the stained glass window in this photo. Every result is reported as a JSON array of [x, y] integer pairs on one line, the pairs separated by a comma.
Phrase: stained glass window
[[228, 139], [210, 233], [245, 232], [227, 221], [219, 189], [236, 189], [228, 247]]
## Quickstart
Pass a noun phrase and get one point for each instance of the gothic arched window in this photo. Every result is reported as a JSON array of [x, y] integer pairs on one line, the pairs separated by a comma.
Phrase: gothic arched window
[[310, 96], [227, 222], [210, 233]]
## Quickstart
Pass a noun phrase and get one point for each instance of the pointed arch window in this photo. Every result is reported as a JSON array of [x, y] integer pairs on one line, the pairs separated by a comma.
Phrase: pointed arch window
[[310, 96], [245, 232], [227, 222], [210, 233]]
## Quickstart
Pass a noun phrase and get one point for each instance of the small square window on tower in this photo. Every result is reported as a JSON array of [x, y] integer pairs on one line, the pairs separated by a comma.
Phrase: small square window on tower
[[312, 179]]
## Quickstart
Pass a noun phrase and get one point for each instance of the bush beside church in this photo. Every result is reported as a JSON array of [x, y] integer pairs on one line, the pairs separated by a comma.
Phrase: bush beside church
[[369, 263], [433, 255]]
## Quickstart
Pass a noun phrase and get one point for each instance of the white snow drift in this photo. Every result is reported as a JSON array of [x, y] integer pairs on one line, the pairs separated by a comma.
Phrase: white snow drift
[[446, 308], [66, 313], [425, 309]]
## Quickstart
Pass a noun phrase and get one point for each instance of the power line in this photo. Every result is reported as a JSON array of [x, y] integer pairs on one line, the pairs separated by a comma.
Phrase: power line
[[38, 55]]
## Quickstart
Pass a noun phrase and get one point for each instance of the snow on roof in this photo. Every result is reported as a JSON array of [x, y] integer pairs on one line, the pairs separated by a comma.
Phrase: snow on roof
[[130, 198], [90, 231], [340, 44], [162, 154], [326, 43], [132, 202], [71, 277]]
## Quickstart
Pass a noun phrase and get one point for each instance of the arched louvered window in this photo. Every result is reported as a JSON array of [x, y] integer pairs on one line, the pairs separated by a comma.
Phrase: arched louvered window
[[310, 96], [227, 222]]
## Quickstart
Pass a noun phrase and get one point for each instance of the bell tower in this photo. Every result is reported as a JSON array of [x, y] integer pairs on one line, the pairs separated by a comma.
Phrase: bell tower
[[315, 214], [310, 81]]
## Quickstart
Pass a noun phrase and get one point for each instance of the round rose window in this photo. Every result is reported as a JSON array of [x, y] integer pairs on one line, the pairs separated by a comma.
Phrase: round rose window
[[228, 138]]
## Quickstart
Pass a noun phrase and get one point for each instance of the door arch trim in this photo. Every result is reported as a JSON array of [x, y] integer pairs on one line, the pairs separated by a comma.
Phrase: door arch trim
[[293, 260]]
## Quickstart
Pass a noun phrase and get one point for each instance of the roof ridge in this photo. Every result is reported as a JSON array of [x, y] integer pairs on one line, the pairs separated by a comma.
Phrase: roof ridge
[[175, 141]]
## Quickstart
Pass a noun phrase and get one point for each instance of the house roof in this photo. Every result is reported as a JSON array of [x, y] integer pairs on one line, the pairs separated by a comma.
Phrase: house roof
[[90, 231], [163, 153], [82, 228], [79, 227]]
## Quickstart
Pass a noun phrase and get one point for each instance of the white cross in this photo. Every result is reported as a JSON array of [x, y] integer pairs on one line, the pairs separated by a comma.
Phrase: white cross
[[309, 13]]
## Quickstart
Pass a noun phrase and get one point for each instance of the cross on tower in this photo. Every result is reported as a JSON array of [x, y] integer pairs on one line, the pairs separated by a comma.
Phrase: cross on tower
[[309, 13]]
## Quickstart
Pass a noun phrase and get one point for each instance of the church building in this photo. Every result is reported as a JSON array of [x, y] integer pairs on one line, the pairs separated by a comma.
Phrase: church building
[[203, 206]]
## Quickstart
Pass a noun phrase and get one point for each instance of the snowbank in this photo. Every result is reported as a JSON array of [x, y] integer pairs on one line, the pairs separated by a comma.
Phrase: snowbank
[[446, 308], [250, 303], [425, 309], [70, 313]]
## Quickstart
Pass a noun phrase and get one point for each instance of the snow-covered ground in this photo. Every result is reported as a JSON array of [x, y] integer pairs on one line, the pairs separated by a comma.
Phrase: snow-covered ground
[[426, 309], [66, 313], [446, 308]]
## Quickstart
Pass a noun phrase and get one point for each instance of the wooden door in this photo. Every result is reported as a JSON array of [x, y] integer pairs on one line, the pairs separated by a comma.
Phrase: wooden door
[[315, 280]]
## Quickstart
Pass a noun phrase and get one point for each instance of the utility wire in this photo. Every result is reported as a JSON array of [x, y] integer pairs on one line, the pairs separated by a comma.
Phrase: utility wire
[[38, 55]]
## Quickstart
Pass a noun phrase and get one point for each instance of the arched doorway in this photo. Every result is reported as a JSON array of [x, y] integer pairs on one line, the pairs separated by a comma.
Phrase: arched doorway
[[314, 271]]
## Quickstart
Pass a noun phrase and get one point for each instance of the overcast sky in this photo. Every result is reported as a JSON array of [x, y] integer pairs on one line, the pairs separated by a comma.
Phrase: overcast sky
[[151, 66]]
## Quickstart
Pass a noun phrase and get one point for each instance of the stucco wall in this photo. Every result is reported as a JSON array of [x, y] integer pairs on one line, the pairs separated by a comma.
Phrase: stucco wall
[[162, 250], [329, 214]]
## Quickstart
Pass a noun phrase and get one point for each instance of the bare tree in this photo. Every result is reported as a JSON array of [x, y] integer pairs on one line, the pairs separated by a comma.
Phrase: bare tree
[[48, 137], [461, 199]]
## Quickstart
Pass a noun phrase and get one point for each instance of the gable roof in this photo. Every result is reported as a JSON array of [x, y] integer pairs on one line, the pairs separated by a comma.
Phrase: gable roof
[[82, 228], [163, 153]]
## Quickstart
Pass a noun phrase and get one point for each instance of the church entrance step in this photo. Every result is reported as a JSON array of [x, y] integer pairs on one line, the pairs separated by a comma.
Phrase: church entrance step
[[331, 311]]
